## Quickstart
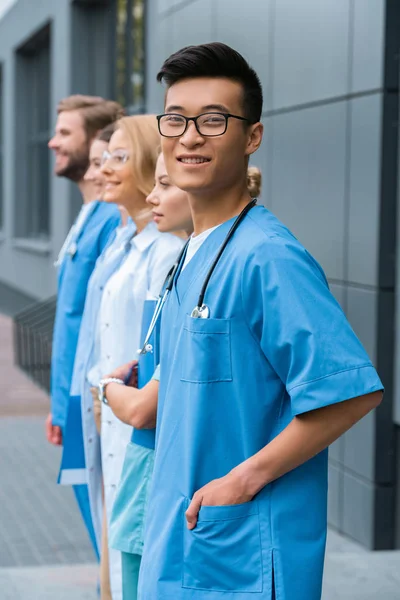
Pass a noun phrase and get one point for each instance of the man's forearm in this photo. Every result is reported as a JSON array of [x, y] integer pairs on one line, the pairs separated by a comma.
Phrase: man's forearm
[[303, 438]]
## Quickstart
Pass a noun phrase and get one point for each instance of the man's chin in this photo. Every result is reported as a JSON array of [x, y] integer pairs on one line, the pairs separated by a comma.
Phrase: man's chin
[[190, 184], [70, 172]]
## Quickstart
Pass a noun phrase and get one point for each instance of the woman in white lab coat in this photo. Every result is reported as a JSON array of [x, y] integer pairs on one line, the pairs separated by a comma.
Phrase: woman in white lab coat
[[128, 168]]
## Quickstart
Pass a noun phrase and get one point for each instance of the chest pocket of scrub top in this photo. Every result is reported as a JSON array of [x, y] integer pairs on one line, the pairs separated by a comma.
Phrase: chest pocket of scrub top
[[205, 351], [223, 552]]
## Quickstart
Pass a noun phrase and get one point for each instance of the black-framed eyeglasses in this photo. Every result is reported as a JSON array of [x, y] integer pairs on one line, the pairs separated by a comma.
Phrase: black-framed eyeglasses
[[209, 124]]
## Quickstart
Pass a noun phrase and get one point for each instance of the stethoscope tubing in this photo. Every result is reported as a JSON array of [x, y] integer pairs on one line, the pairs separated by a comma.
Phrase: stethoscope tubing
[[170, 279], [229, 235]]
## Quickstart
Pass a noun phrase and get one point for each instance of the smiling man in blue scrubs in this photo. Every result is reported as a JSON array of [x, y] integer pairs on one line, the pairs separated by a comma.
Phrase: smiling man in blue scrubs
[[79, 120], [250, 396]]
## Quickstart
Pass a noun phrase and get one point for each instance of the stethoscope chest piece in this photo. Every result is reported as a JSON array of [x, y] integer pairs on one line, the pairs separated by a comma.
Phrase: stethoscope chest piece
[[201, 312]]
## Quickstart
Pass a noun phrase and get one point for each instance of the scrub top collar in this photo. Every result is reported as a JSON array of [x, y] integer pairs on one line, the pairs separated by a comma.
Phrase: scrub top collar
[[145, 238], [201, 261]]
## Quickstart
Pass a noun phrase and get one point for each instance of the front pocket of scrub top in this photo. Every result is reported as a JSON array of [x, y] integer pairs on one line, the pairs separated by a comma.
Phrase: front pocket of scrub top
[[205, 351], [223, 552]]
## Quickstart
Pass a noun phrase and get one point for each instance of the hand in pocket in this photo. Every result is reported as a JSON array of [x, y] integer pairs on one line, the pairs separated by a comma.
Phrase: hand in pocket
[[225, 491]]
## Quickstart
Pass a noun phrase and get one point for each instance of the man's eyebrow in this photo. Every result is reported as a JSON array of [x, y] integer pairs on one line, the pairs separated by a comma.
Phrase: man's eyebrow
[[208, 107], [173, 108], [219, 107]]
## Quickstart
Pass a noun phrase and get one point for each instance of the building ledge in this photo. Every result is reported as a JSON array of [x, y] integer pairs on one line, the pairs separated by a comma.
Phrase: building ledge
[[35, 246]]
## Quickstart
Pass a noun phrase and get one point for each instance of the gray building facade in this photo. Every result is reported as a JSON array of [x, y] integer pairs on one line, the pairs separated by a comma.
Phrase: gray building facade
[[329, 159]]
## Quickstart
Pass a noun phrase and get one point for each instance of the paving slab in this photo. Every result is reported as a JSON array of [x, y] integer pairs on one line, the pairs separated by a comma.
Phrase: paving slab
[[39, 520], [362, 576], [75, 582]]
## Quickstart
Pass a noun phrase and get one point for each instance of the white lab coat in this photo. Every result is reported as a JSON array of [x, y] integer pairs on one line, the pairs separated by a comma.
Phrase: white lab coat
[[85, 440], [117, 340]]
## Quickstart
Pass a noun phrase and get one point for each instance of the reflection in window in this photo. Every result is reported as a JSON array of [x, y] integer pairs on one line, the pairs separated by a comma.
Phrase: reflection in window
[[130, 52]]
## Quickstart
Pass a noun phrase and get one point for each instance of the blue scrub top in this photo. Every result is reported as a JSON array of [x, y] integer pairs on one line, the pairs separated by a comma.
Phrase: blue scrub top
[[74, 275], [276, 345]]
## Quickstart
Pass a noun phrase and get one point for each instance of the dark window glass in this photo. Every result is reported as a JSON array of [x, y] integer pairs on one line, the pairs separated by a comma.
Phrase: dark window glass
[[33, 132], [1, 148], [130, 51]]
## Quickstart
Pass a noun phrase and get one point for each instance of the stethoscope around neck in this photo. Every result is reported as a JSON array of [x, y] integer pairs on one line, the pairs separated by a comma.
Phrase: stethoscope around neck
[[201, 310]]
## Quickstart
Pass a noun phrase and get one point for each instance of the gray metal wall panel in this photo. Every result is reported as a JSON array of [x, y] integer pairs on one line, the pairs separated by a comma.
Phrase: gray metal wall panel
[[157, 40], [368, 44], [311, 51], [336, 450], [362, 311], [253, 38], [358, 509], [308, 180], [364, 193], [359, 448], [172, 5], [193, 24]]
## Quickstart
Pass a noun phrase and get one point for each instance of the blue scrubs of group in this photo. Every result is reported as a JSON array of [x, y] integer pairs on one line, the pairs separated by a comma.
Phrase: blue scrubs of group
[[75, 271], [276, 345]]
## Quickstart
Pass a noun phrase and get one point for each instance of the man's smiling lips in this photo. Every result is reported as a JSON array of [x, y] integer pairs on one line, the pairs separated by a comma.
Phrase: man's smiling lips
[[193, 159]]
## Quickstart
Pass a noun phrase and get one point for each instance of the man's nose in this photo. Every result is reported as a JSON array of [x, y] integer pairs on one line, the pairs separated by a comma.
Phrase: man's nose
[[191, 137], [53, 144]]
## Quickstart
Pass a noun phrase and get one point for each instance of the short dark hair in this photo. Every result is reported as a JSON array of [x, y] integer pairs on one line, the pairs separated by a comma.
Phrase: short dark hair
[[216, 60]]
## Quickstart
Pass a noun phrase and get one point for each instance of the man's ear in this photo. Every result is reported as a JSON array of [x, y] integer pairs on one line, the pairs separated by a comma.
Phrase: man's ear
[[255, 136]]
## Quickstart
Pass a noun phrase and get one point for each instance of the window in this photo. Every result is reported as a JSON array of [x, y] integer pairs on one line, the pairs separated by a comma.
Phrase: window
[[1, 149], [130, 54], [33, 113]]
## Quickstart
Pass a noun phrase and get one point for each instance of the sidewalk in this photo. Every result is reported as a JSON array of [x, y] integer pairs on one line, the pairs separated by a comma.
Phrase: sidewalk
[[45, 553]]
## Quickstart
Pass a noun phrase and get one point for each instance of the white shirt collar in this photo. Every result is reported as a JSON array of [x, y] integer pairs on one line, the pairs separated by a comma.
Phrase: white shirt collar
[[146, 237]]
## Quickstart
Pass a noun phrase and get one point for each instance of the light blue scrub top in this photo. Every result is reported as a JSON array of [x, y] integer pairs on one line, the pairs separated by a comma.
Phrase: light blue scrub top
[[73, 278], [129, 509], [276, 345]]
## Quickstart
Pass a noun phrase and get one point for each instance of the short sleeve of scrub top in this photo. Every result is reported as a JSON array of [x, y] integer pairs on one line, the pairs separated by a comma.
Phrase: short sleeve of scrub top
[[301, 328], [156, 374]]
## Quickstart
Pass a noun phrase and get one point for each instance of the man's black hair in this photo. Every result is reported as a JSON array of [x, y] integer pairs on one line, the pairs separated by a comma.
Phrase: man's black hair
[[216, 60]]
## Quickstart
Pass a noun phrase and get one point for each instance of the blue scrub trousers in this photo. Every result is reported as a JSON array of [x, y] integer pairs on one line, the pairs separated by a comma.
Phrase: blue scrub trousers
[[130, 575]]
